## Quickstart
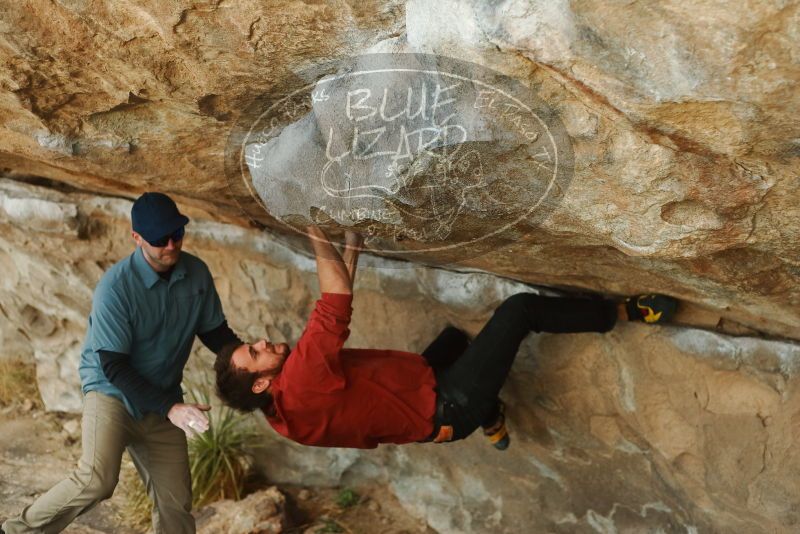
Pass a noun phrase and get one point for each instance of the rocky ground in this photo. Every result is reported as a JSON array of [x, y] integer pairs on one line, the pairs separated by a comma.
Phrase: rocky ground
[[36, 452], [37, 449]]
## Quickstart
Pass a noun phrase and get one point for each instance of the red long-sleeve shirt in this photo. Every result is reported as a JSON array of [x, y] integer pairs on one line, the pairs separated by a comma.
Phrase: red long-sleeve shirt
[[329, 396]]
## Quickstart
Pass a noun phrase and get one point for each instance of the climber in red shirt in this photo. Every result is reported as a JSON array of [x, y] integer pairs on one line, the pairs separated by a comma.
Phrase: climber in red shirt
[[322, 394]]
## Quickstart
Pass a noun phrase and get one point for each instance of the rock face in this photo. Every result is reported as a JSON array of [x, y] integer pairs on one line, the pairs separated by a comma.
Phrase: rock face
[[261, 512], [681, 124], [640, 429], [681, 120]]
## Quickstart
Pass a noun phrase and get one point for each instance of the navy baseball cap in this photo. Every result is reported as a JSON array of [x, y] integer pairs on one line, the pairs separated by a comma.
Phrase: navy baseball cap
[[155, 215]]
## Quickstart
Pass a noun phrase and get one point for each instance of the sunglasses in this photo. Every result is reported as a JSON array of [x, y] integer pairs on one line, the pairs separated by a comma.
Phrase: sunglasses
[[176, 236]]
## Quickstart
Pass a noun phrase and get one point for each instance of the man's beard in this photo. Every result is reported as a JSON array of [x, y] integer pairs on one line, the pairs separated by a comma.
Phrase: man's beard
[[161, 263]]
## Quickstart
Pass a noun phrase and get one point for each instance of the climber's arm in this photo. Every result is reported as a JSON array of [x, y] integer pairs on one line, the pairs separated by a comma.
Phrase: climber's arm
[[352, 247], [334, 274]]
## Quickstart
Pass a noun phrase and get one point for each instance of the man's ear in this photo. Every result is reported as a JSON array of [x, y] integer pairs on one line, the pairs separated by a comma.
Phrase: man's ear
[[261, 384], [137, 238]]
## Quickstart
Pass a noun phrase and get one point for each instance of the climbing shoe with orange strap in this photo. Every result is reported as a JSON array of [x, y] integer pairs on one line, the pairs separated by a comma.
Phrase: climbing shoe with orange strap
[[651, 308], [498, 433]]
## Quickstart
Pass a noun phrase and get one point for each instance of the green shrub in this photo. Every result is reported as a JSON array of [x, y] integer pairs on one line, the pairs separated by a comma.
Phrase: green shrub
[[347, 498], [219, 458]]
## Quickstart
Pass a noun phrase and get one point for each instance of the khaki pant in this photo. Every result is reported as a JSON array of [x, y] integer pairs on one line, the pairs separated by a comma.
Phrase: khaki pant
[[158, 449]]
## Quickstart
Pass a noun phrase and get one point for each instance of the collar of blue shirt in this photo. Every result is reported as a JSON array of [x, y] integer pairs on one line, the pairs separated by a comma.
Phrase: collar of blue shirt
[[149, 276]]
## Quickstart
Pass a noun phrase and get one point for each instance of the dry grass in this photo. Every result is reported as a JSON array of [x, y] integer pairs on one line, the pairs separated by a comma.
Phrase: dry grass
[[137, 506], [18, 383]]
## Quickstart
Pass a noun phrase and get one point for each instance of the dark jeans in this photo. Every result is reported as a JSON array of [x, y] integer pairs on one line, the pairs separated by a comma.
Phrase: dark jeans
[[469, 375]]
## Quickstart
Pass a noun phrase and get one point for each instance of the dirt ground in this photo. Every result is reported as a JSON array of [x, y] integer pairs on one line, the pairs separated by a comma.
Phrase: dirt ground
[[35, 454], [38, 449]]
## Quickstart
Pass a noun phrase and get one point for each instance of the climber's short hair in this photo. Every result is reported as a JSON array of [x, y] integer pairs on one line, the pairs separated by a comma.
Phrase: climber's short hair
[[235, 385]]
